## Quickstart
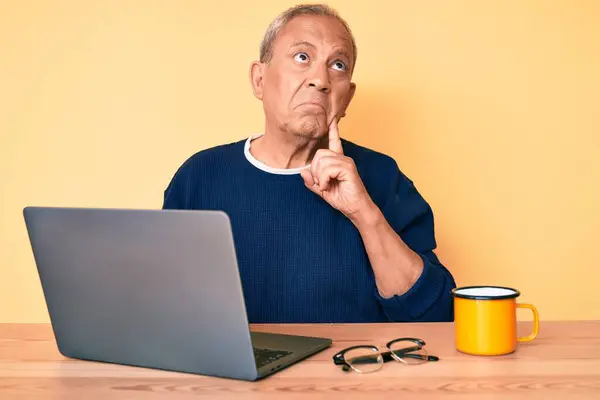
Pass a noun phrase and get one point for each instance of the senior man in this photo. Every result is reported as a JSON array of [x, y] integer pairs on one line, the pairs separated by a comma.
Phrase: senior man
[[325, 230]]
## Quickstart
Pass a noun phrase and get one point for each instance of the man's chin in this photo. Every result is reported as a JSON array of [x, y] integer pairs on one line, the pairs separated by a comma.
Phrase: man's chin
[[313, 128]]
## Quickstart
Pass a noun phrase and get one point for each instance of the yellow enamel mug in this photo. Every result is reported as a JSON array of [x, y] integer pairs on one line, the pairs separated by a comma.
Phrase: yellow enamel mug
[[485, 320]]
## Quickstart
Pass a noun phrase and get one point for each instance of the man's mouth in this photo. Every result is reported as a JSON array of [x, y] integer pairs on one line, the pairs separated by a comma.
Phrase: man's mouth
[[312, 106]]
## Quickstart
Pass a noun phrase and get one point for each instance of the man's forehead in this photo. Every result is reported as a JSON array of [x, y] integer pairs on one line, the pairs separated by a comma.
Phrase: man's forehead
[[315, 29]]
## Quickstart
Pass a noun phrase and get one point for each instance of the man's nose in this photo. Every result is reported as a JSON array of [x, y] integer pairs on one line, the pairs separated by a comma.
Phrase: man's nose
[[320, 80]]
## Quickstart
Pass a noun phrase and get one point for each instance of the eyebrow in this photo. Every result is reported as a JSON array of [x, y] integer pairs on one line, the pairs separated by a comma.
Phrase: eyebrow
[[343, 53], [302, 43]]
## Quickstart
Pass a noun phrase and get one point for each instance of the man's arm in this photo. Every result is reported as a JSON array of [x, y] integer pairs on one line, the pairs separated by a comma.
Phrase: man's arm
[[412, 285], [395, 265]]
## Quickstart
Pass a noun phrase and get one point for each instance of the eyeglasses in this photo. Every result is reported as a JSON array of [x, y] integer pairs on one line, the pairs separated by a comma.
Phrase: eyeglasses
[[365, 359]]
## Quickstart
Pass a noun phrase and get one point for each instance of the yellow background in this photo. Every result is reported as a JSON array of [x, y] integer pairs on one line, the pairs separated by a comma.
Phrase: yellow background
[[491, 107]]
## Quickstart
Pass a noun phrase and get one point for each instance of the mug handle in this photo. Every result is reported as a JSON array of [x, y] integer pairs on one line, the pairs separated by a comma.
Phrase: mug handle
[[536, 322]]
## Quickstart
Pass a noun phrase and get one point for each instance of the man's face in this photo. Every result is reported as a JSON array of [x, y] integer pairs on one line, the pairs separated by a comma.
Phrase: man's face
[[307, 83]]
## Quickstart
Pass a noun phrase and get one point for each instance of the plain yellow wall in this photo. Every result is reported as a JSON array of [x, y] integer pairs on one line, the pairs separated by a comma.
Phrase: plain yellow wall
[[491, 107]]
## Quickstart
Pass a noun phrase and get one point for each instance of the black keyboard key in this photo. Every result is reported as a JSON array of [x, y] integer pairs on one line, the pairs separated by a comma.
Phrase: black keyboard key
[[266, 356]]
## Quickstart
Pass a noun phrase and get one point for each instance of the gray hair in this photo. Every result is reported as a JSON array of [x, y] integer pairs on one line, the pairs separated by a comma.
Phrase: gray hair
[[266, 46]]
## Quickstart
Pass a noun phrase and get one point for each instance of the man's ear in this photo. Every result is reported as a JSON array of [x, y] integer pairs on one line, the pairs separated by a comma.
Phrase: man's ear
[[348, 99], [257, 78]]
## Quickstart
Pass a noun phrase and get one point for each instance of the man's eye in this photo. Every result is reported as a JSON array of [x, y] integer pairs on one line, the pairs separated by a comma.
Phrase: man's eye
[[340, 66], [301, 57]]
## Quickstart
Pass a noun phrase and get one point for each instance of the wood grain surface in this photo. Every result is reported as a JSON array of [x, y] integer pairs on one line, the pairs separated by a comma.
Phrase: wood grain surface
[[562, 363]]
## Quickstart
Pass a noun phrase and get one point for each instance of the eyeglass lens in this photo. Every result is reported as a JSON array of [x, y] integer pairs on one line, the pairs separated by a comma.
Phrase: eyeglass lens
[[408, 352], [364, 359]]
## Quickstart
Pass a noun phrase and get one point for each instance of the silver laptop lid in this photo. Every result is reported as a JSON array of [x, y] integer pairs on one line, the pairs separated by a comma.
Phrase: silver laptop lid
[[155, 288]]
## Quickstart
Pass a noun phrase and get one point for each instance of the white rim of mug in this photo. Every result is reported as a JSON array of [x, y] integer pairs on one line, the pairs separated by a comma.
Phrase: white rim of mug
[[513, 295]]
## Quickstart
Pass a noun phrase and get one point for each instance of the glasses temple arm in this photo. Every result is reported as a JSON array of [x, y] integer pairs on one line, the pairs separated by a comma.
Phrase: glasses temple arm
[[387, 356]]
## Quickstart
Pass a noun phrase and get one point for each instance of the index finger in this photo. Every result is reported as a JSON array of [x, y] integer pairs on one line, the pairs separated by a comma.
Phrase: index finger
[[335, 144]]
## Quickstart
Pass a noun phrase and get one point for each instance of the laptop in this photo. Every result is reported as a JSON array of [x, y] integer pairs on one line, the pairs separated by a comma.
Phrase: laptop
[[153, 288]]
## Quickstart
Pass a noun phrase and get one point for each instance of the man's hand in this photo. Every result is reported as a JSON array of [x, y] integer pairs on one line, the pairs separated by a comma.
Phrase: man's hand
[[334, 177]]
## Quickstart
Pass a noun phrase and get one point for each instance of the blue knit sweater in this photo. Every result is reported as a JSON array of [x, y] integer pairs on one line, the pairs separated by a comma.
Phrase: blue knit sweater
[[303, 261]]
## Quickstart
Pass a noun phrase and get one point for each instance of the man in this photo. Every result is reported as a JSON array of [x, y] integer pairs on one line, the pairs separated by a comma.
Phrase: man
[[325, 230]]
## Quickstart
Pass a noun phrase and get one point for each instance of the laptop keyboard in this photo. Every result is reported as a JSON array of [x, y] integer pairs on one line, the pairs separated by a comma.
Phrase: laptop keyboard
[[266, 356]]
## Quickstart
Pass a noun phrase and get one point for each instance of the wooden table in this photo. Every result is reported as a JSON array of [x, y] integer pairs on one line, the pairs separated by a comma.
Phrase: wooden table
[[562, 363]]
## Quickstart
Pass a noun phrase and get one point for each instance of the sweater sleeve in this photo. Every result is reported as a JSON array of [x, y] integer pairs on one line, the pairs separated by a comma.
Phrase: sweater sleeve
[[411, 217], [177, 194]]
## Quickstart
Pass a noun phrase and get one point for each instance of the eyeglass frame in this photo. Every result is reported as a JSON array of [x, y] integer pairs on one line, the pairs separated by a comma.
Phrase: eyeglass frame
[[339, 359]]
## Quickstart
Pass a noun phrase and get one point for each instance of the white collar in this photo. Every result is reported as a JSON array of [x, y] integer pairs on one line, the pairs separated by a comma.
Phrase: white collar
[[264, 167]]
